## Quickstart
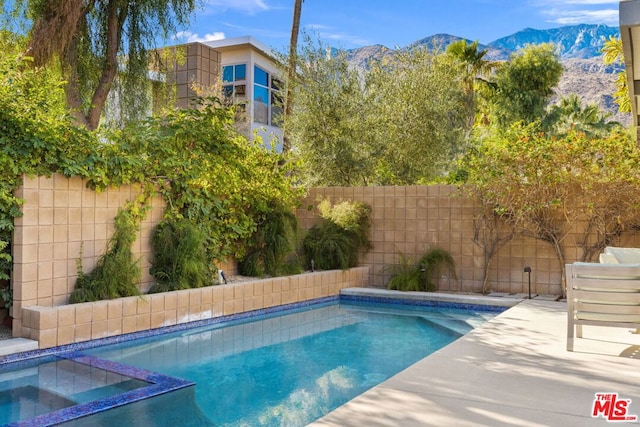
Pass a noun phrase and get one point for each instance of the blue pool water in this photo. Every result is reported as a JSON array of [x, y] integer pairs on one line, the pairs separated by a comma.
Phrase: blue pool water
[[286, 369], [292, 369]]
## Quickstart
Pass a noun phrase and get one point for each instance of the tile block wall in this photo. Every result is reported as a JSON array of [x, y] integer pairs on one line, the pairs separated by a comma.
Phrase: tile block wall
[[62, 218], [73, 323], [412, 219], [197, 65], [62, 222]]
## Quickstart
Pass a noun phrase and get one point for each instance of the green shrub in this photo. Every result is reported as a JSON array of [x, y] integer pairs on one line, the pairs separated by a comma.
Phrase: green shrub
[[409, 275], [180, 257], [343, 234], [117, 272], [405, 275], [434, 260], [268, 248]]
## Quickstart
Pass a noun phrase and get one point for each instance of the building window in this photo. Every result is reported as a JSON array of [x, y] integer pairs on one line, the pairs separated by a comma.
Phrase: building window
[[234, 73], [234, 81], [267, 103]]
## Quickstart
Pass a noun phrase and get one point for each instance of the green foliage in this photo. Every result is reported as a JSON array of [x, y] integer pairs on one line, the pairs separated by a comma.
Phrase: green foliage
[[353, 217], [418, 116], [117, 272], [6, 296], [6, 293], [409, 275], [337, 241], [474, 69], [95, 43], [612, 53], [37, 137], [270, 245], [399, 121], [6, 261], [405, 275], [330, 247], [541, 185], [180, 257], [569, 114], [524, 85], [329, 126], [207, 173]]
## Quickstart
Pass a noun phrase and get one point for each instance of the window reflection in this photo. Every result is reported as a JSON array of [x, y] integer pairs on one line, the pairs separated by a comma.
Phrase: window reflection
[[267, 104]]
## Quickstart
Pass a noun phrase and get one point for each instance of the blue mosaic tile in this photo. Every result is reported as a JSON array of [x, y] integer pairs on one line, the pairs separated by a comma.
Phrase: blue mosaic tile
[[158, 384], [423, 303]]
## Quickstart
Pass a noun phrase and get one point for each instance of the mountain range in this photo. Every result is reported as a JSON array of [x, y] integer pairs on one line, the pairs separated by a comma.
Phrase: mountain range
[[579, 48]]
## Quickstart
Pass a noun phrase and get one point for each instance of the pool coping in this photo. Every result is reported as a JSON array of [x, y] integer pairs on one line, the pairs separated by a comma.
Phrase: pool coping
[[161, 383]]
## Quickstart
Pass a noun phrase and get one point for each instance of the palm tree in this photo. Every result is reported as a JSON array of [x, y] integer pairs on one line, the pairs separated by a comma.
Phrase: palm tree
[[291, 69], [612, 53], [474, 68], [570, 114]]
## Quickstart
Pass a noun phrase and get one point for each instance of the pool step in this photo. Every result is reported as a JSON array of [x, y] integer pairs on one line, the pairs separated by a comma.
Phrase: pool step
[[17, 345], [457, 325]]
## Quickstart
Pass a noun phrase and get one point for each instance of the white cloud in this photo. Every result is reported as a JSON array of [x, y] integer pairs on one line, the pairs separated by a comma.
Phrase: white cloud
[[250, 7], [570, 12], [189, 37], [571, 17], [588, 2], [327, 33], [317, 27]]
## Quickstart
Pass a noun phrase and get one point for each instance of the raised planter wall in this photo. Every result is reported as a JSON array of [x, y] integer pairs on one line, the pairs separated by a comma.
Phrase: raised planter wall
[[74, 323]]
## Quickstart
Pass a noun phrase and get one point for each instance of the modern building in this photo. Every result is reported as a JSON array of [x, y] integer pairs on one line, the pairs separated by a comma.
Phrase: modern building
[[244, 71]]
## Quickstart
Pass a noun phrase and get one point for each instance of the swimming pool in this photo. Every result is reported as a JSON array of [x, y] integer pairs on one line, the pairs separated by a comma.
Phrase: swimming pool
[[286, 368]]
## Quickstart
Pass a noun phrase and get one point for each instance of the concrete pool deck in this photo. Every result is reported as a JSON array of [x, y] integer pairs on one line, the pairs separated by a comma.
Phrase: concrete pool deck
[[512, 371]]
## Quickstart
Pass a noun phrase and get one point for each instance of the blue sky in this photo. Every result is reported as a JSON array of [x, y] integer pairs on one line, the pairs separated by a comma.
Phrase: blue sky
[[354, 23]]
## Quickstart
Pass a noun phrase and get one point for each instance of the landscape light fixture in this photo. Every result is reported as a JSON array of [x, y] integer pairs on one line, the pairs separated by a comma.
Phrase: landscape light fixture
[[527, 270]]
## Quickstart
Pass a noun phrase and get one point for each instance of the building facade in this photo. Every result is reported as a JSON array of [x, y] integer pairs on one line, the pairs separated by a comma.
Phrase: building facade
[[243, 71], [249, 75]]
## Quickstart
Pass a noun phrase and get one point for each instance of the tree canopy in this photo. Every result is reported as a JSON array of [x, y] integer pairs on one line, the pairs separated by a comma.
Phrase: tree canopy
[[329, 125], [546, 186], [524, 84], [475, 71], [96, 43], [400, 121]]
